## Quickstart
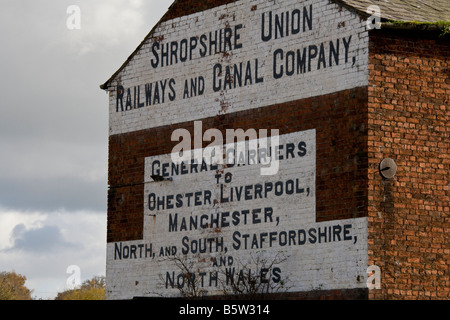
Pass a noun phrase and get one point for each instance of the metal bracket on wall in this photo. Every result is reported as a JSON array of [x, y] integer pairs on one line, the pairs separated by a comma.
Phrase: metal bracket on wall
[[160, 178]]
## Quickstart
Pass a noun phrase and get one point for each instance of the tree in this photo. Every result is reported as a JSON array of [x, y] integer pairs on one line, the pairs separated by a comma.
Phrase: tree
[[93, 289], [12, 287], [253, 280], [248, 280]]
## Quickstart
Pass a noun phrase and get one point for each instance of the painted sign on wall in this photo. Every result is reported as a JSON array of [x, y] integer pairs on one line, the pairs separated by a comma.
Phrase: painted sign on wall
[[218, 223], [209, 225], [244, 55]]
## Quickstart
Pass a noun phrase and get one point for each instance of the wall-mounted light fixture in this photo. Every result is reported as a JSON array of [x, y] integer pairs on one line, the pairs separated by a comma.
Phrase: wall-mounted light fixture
[[388, 168]]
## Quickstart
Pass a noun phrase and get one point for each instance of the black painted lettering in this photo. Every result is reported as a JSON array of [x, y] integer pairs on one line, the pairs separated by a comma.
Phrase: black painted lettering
[[301, 61], [278, 54], [193, 44], [237, 36], [347, 46], [334, 53], [119, 98], [312, 53], [265, 27], [307, 18], [173, 52], [301, 149], [155, 61], [217, 82], [321, 62], [172, 94]]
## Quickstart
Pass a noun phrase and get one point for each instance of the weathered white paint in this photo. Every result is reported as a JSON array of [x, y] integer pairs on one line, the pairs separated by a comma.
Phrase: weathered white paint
[[329, 24], [316, 256]]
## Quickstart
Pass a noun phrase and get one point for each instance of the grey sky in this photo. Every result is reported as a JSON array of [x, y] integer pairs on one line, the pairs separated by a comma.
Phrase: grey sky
[[54, 131]]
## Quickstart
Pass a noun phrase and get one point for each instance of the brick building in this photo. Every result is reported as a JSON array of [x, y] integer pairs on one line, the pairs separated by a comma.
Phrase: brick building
[[362, 179]]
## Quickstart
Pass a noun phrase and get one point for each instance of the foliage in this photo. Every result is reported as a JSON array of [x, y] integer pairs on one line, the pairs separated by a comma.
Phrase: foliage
[[444, 26], [93, 289], [244, 280], [12, 287], [252, 282]]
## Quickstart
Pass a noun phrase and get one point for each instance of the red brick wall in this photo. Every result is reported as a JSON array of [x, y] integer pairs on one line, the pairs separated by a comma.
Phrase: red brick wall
[[403, 114], [340, 121], [409, 121]]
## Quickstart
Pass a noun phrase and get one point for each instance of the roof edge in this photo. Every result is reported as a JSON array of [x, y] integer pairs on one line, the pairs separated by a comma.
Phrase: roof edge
[[106, 85], [442, 26], [350, 8]]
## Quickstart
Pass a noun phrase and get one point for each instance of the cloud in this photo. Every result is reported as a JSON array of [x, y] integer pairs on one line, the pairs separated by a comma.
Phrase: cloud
[[11, 218], [51, 175], [42, 246], [53, 137], [107, 24], [52, 194], [54, 131], [46, 239]]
